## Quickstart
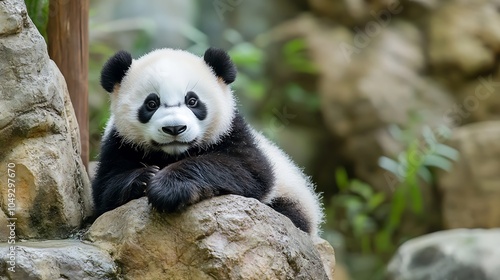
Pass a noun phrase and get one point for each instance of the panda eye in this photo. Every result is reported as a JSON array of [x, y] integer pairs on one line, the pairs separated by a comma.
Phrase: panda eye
[[192, 102], [152, 105]]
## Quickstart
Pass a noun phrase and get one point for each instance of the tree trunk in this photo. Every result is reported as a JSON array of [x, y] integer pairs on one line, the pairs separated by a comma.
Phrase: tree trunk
[[68, 46]]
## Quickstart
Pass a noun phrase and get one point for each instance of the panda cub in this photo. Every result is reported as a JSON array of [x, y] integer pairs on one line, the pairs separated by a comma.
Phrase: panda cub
[[175, 136]]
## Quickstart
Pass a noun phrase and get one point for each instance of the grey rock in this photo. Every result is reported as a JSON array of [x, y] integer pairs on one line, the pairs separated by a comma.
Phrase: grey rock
[[12, 17], [38, 136], [227, 237], [55, 259], [461, 254]]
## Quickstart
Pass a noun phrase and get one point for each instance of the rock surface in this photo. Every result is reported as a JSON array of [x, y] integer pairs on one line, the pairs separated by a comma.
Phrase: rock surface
[[56, 259], [12, 17], [471, 190], [227, 237], [460, 254], [463, 48], [39, 135]]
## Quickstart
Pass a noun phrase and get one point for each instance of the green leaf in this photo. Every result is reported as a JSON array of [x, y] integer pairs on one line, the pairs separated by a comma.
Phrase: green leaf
[[246, 54], [353, 208], [425, 174], [296, 56], [429, 136], [396, 132], [359, 224], [446, 151], [383, 240], [363, 189], [343, 199], [375, 201], [444, 132], [389, 165], [342, 179], [437, 161]]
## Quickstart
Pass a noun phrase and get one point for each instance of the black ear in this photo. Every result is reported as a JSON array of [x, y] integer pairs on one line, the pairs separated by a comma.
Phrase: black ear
[[221, 63], [115, 69]]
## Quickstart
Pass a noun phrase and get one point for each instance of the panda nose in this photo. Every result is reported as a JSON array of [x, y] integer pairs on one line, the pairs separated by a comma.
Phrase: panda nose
[[174, 130]]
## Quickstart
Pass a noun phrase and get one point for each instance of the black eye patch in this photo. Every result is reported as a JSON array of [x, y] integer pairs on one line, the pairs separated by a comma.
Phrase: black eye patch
[[148, 108], [194, 104]]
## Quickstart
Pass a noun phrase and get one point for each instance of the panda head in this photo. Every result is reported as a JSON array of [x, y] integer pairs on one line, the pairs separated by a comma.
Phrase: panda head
[[170, 100]]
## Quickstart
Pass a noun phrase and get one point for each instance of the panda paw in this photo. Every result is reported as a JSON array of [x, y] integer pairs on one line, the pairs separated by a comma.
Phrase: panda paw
[[148, 174], [143, 179], [168, 192]]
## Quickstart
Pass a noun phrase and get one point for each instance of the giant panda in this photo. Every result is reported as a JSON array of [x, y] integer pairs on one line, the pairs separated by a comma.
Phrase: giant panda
[[175, 136]]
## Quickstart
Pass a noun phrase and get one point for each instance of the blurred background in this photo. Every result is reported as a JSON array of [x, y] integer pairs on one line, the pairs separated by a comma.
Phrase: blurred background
[[390, 106]]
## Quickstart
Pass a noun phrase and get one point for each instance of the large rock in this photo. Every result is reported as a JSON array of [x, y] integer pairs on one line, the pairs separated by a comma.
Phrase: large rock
[[461, 48], [39, 136], [55, 259], [477, 100], [471, 190], [227, 237], [459, 254]]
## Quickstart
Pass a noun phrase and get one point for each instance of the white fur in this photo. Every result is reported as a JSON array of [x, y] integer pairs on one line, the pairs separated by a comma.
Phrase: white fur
[[171, 74], [291, 183]]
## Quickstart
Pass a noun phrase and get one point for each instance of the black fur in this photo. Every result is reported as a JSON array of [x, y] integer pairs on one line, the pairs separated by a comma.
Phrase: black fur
[[292, 210], [221, 64], [234, 166], [144, 114], [200, 110], [115, 69]]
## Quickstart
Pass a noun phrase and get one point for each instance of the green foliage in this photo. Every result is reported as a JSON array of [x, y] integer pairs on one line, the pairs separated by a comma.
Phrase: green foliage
[[356, 204], [38, 11], [249, 60], [295, 53], [411, 166], [370, 220]]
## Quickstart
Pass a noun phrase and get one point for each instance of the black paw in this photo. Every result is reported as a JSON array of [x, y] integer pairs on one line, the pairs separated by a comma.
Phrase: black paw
[[144, 176], [169, 192], [147, 174]]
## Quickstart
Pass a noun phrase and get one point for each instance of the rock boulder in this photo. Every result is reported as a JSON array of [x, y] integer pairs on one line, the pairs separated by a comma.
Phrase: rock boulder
[[227, 237], [55, 259], [460, 254], [39, 137], [471, 190]]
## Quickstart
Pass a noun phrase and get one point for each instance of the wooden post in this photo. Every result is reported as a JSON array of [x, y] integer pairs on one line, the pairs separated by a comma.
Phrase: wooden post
[[68, 36]]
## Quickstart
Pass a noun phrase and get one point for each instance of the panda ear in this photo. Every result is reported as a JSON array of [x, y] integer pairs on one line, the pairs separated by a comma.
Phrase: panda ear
[[221, 64], [115, 69]]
